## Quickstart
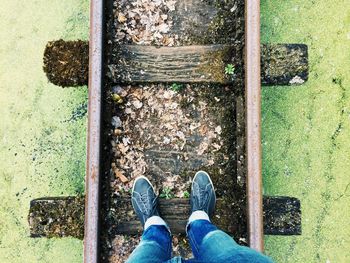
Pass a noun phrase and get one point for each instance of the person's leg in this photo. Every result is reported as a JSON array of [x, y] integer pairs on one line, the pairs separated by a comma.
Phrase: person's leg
[[155, 245], [208, 243]]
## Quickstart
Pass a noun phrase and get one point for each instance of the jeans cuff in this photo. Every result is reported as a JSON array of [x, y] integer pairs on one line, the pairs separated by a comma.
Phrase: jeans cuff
[[197, 215], [155, 221]]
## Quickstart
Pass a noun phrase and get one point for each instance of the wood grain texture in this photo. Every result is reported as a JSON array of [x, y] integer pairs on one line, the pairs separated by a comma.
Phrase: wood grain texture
[[281, 64], [64, 216], [186, 64]]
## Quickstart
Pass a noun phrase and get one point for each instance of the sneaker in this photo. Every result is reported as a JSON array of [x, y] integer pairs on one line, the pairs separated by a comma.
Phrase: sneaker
[[144, 200], [202, 193]]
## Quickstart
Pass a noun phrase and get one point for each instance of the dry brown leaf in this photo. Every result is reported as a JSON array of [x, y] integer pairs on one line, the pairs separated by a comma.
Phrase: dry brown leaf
[[123, 149], [121, 176], [121, 18], [203, 129]]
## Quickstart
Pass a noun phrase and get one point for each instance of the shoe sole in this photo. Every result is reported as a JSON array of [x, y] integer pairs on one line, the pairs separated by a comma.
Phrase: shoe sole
[[209, 181], [141, 177]]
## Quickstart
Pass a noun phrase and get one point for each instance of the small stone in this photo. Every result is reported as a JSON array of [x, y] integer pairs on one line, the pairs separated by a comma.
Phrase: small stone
[[163, 28], [166, 140], [118, 132], [137, 104], [120, 35], [157, 2], [218, 129], [126, 141], [171, 5], [210, 162], [158, 35], [128, 111], [233, 8], [242, 239], [116, 122], [296, 80], [181, 135], [120, 91], [131, 14]]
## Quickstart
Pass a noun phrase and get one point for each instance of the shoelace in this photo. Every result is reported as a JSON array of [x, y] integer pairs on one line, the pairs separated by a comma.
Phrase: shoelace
[[202, 199], [147, 210]]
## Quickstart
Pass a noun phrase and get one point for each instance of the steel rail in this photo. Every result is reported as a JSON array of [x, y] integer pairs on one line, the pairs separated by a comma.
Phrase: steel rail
[[91, 230], [253, 124]]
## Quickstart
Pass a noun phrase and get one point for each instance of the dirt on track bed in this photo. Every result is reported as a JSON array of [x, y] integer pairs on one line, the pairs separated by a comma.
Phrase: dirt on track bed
[[168, 135], [167, 132]]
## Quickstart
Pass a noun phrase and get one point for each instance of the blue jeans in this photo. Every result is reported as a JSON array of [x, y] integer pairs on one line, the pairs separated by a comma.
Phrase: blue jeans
[[208, 243]]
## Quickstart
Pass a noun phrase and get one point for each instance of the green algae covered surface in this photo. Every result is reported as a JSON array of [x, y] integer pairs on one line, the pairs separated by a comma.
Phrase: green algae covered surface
[[42, 126], [306, 130]]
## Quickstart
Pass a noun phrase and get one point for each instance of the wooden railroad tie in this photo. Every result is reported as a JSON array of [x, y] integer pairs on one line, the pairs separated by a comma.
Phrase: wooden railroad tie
[[66, 64], [64, 216]]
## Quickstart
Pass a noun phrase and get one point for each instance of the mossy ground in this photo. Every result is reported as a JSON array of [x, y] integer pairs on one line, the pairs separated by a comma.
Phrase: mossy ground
[[42, 127], [306, 130]]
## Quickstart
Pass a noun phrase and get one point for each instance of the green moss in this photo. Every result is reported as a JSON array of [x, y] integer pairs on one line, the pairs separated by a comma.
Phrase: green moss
[[306, 130], [218, 63], [42, 151]]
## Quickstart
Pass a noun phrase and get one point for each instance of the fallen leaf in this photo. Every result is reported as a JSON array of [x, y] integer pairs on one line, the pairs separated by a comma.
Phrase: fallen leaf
[[119, 173], [121, 176], [122, 148], [218, 129], [203, 129], [121, 18]]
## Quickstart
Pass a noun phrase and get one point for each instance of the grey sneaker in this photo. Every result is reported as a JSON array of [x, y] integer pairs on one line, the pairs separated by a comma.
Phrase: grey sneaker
[[202, 193], [144, 200]]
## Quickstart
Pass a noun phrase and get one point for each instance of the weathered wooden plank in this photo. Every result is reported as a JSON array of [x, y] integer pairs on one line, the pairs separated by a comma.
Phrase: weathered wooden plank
[[284, 64], [186, 64], [66, 63], [57, 217], [281, 64], [282, 215], [64, 216]]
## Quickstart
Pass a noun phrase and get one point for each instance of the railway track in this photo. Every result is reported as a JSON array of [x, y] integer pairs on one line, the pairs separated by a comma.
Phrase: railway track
[[199, 62]]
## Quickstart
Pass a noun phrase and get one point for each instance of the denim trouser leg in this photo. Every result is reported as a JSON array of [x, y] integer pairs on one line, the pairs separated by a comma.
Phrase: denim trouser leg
[[211, 245], [155, 246]]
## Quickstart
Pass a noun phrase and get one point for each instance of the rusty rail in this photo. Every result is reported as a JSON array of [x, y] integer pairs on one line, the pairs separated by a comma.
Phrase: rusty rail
[[253, 124], [252, 82], [91, 233]]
